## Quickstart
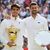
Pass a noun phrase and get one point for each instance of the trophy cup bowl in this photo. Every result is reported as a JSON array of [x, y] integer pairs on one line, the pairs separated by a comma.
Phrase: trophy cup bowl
[[12, 38], [12, 33]]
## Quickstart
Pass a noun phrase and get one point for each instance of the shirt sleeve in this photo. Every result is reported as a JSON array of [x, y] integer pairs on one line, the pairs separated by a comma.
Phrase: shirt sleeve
[[2, 37], [45, 26], [25, 29]]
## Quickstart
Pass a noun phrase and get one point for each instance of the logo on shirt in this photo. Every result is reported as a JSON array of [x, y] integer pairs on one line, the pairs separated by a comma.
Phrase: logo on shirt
[[38, 22]]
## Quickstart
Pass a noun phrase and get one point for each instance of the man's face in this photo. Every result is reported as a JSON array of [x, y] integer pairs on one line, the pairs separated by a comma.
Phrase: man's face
[[15, 11], [34, 9]]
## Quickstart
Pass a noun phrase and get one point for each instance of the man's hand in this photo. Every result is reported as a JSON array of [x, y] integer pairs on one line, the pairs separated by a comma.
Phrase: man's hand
[[25, 42], [43, 45], [1, 46], [48, 46], [10, 44]]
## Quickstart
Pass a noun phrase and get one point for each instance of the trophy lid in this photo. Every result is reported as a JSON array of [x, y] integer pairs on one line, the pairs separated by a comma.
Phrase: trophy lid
[[12, 29]]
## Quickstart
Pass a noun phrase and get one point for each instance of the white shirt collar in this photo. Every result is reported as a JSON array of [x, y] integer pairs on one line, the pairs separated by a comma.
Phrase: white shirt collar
[[37, 16], [13, 18]]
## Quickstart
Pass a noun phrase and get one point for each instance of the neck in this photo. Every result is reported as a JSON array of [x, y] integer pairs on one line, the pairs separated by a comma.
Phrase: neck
[[34, 15], [14, 17]]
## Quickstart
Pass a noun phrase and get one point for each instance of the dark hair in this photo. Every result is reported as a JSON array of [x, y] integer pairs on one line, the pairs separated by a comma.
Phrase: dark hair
[[34, 4], [14, 5]]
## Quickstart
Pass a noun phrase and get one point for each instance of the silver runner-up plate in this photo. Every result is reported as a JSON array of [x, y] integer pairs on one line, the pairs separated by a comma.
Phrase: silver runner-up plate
[[43, 38]]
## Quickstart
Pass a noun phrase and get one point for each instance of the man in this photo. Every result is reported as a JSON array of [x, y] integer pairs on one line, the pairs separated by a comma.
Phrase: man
[[12, 30], [34, 24]]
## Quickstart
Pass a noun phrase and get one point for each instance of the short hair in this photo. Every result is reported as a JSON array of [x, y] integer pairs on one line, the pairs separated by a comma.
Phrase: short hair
[[15, 5], [33, 3]]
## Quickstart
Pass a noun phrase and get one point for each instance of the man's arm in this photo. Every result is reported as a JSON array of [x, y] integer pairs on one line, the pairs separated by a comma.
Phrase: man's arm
[[45, 26], [25, 36]]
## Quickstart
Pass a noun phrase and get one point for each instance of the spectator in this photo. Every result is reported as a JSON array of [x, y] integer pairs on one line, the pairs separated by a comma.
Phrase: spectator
[[21, 2], [28, 11], [1, 13], [27, 3], [41, 2], [23, 13]]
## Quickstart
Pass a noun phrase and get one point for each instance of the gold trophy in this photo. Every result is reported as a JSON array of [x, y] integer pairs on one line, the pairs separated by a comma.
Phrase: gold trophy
[[12, 33]]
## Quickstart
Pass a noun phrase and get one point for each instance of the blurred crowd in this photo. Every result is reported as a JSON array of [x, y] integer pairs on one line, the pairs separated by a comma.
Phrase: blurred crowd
[[5, 8]]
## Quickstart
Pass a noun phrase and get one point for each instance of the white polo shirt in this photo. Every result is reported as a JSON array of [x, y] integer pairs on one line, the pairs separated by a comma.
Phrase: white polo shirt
[[33, 26], [4, 35]]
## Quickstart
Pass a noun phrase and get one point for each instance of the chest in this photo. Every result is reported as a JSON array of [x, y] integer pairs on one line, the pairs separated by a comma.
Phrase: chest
[[13, 24], [17, 24], [33, 26]]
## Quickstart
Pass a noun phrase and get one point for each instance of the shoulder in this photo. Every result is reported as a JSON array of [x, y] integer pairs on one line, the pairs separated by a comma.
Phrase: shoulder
[[42, 18], [27, 19], [4, 21]]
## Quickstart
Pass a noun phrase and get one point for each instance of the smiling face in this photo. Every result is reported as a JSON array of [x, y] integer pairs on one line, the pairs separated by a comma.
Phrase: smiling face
[[34, 9], [15, 11]]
